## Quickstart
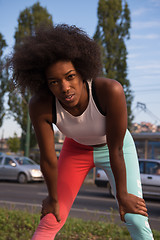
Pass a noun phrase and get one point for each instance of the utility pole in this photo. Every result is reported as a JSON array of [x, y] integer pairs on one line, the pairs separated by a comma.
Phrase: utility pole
[[27, 142]]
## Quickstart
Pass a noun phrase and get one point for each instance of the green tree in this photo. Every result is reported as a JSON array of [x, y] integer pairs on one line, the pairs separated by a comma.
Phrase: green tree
[[28, 21], [2, 79], [111, 33], [14, 143]]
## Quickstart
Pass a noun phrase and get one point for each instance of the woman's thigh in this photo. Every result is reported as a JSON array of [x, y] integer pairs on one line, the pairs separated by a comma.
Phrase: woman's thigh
[[75, 161], [102, 160]]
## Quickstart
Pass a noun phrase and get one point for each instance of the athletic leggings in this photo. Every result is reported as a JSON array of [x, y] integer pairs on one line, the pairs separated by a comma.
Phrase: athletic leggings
[[75, 161]]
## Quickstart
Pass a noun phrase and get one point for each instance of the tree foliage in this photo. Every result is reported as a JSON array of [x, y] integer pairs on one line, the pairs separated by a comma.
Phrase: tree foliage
[[14, 143], [28, 21], [111, 33], [2, 79]]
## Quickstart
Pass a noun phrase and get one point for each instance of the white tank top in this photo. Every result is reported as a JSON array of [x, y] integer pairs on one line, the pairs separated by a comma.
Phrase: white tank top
[[89, 128]]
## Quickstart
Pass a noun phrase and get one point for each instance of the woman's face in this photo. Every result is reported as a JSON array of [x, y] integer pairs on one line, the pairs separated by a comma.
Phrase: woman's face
[[66, 84]]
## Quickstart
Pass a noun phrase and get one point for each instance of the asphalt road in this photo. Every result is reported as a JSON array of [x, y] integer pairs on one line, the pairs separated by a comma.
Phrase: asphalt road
[[92, 203]]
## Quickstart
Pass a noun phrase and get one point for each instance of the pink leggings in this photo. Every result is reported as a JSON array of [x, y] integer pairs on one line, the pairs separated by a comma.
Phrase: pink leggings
[[75, 161]]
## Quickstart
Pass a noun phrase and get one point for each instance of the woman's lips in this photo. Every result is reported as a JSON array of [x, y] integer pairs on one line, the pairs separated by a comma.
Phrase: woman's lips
[[69, 97]]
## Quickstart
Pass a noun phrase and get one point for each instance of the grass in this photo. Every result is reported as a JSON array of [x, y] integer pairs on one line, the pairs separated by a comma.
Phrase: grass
[[18, 225]]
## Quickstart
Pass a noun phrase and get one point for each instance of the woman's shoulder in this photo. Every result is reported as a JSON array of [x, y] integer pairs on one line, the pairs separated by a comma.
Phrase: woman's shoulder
[[103, 82], [40, 105], [38, 99], [107, 91], [107, 86]]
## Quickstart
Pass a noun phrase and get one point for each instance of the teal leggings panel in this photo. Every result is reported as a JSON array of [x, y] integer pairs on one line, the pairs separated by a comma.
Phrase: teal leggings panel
[[136, 224]]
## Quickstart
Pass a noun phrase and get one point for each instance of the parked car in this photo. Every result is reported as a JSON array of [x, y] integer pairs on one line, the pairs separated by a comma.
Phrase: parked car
[[18, 168], [150, 177], [101, 180]]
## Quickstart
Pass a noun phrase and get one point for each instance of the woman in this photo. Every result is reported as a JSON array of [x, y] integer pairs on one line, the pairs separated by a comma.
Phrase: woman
[[60, 66]]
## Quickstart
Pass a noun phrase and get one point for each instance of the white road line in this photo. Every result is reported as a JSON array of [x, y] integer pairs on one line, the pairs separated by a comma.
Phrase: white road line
[[39, 205], [72, 209], [83, 197], [98, 190], [93, 211], [20, 203], [101, 199], [42, 193], [94, 198], [153, 193]]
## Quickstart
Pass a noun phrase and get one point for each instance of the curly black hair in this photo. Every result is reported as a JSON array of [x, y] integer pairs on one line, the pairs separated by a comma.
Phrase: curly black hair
[[49, 45]]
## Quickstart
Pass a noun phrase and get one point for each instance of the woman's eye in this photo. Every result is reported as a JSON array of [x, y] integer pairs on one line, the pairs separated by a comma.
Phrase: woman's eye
[[53, 83], [71, 76]]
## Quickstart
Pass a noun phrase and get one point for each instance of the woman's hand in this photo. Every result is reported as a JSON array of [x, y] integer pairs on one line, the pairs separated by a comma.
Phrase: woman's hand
[[131, 204], [50, 206]]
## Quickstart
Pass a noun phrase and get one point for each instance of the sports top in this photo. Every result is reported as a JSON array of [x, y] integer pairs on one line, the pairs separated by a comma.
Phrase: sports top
[[88, 128]]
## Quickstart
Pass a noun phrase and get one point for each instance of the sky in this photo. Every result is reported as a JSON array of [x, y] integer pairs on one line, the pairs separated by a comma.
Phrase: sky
[[143, 46]]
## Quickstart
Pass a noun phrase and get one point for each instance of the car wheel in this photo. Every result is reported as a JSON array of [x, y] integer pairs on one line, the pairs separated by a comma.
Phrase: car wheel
[[22, 178]]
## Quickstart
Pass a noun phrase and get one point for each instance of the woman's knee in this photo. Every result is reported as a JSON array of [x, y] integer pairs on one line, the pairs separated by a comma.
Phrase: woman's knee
[[50, 222], [138, 226], [48, 226], [137, 220]]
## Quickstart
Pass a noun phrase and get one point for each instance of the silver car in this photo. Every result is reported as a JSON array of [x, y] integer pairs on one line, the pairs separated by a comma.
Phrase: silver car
[[22, 169], [150, 177]]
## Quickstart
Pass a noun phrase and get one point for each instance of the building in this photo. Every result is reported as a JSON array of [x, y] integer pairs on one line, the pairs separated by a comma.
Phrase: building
[[147, 144], [3, 145]]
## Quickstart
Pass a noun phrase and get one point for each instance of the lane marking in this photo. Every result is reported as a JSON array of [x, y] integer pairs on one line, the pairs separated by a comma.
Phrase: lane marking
[[21, 204], [93, 211], [39, 205], [151, 193], [84, 197], [72, 209], [102, 199]]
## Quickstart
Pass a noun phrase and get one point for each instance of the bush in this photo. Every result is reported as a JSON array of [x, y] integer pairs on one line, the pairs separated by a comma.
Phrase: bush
[[17, 225], [20, 225]]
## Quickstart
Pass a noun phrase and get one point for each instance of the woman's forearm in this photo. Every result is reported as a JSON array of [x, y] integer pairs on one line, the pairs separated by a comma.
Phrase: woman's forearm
[[49, 170], [119, 172]]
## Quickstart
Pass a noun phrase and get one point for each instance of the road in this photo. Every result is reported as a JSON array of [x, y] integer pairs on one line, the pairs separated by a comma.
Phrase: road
[[92, 203]]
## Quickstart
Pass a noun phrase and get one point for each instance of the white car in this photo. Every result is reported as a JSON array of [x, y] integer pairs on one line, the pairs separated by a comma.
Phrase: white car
[[101, 180], [150, 177], [22, 169]]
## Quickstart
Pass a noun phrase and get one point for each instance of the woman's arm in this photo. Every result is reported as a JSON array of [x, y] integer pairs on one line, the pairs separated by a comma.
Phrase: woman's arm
[[41, 117], [114, 104]]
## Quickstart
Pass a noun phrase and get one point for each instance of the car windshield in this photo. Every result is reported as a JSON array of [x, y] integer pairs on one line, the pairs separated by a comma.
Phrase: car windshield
[[24, 161]]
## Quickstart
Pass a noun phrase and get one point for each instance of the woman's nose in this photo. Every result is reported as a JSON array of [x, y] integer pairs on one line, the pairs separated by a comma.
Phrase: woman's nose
[[65, 86]]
